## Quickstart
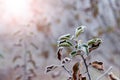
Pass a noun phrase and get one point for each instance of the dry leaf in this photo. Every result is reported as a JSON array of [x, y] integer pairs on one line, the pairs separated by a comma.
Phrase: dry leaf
[[97, 65], [30, 78], [30, 55], [83, 78], [70, 78], [18, 45], [80, 77], [59, 53], [94, 43], [16, 67], [45, 54], [33, 72], [51, 68], [58, 21], [19, 77], [75, 70], [33, 63], [94, 7], [16, 57], [66, 60], [31, 60], [113, 77]]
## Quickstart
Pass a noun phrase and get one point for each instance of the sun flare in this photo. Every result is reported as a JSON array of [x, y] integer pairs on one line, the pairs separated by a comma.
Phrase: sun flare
[[22, 13], [16, 7]]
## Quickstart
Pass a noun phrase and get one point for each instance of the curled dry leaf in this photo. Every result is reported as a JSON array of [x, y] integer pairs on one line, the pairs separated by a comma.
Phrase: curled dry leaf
[[33, 72], [80, 77], [30, 55], [75, 71], [19, 77], [94, 44], [59, 53], [16, 67], [51, 68], [83, 78], [31, 60], [94, 8], [69, 78], [97, 65], [30, 78], [16, 57], [112, 76], [45, 54], [66, 60]]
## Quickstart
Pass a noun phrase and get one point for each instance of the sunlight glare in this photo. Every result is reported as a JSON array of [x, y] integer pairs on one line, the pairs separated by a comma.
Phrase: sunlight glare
[[16, 7]]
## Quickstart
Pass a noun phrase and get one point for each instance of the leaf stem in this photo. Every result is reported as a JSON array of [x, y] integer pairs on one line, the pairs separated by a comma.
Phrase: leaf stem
[[84, 60], [66, 70]]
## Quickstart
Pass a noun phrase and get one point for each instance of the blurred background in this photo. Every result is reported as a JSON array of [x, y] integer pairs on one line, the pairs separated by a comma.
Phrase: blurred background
[[29, 30]]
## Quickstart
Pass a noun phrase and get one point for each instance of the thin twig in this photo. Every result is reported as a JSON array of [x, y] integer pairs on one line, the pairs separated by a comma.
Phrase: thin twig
[[66, 70], [100, 77], [84, 60]]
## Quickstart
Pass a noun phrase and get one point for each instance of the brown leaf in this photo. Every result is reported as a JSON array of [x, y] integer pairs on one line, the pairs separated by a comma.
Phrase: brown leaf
[[33, 63], [94, 43], [16, 67], [17, 45], [94, 7], [83, 78], [45, 54], [51, 68], [97, 65], [33, 72], [75, 70], [95, 11], [19, 77], [44, 27], [113, 77], [66, 60], [77, 16], [80, 77], [30, 55], [70, 78], [58, 21], [87, 9], [59, 53], [16, 57], [31, 60], [29, 78]]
